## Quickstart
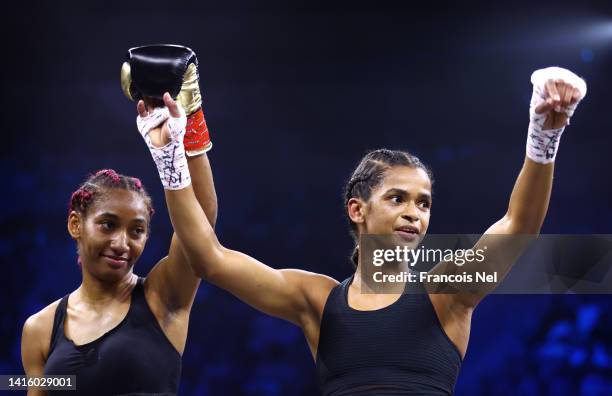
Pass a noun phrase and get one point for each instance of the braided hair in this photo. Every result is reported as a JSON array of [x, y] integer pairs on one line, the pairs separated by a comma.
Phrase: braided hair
[[102, 180], [369, 174]]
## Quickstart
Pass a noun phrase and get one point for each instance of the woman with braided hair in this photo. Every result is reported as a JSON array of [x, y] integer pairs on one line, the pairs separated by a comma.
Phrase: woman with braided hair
[[119, 333], [368, 343]]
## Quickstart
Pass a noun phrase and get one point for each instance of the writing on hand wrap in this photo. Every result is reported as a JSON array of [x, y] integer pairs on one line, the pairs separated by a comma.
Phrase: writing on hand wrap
[[170, 159], [543, 144], [172, 165]]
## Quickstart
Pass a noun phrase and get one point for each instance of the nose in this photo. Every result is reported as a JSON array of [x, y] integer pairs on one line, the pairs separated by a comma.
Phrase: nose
[[119, 243], [411, 212]]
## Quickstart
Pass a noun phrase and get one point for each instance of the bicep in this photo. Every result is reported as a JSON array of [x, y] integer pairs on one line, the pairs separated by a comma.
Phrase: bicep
[[280, 293]]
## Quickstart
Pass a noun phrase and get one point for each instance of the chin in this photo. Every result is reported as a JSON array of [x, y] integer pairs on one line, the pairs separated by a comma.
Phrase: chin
[[111, 275], [412, 243]]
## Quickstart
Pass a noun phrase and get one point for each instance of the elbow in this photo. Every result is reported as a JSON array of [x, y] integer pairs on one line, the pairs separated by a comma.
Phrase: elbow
[[207, 266], [203, 271], [523, 225], [201, 250]]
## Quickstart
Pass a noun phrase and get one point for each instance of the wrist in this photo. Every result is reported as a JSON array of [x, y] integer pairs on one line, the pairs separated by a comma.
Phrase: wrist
[[197, 137], [542, 144], [172, 166]]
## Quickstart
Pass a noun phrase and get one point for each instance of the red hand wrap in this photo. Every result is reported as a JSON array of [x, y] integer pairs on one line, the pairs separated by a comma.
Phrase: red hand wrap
[[197, 138]]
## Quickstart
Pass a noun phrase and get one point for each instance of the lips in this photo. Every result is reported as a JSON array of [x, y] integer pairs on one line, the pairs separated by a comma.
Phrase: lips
[[408, 229], [408, 233], [115, 261]]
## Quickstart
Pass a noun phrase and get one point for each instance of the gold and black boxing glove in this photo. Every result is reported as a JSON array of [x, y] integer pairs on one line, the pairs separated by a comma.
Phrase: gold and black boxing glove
[[151, 70]]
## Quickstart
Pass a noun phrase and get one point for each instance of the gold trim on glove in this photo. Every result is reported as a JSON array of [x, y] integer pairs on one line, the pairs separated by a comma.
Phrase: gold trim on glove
[[126, 80], [189, 97]]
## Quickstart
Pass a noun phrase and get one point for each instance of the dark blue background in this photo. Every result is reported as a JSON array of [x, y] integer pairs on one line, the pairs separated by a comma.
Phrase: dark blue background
[[294, 95]]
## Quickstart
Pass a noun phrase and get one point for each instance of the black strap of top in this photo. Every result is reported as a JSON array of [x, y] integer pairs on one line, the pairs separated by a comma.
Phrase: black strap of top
[[58, 321], [62, 307]]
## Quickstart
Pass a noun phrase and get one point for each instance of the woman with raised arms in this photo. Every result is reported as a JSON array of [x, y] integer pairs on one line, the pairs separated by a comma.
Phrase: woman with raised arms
[[364, 343]]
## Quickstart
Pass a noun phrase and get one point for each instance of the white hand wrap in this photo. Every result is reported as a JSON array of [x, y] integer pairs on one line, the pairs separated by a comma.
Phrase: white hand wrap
[[542, 145], [170, 159]]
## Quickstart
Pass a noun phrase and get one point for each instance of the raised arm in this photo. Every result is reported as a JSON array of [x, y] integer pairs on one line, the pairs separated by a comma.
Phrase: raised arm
[[555, 97], [148, 72], [282, 293], [172, 281]]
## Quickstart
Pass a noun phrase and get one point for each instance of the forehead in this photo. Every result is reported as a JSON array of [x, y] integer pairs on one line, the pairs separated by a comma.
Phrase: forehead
[[406, 178], [122, 203]]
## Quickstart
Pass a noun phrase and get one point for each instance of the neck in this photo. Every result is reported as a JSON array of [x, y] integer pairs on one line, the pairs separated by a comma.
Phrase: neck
[[365, 275], [94, 291]]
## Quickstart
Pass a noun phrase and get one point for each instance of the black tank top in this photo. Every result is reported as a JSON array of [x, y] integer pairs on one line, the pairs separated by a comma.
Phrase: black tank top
[[397, 350], [134, 358]]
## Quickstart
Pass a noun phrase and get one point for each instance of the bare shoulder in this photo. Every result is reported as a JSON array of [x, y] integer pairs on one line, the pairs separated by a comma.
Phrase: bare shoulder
[[318, 281], [37, 330], [41, 322], [314, 287]]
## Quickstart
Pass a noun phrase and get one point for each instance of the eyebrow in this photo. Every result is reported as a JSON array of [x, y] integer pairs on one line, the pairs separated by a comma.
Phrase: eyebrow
[[115, 217], [406, 193]]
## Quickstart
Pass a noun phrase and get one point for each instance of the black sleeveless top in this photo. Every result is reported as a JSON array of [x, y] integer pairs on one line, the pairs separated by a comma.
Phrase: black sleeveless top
[[397, 350], [134, 358]]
